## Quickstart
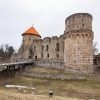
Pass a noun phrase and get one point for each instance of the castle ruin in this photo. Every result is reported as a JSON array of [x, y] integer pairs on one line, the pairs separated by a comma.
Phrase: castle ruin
[[73, 50]]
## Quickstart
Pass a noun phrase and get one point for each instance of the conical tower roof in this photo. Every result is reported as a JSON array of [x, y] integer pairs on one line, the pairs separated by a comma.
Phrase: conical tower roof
[[31, 31]]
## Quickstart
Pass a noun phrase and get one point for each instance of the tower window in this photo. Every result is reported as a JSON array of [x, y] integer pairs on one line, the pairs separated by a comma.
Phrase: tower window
[[34, 48], [57, 55], [74, 61], [35, 57], [29, 38], [77, 34], [86, 34], [57, 46], [42, 47], [42, 55], [47, 55], [47, 47]]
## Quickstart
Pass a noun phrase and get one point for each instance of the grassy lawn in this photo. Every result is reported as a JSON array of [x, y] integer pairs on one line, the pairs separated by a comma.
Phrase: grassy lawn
[[77, 89], [12, 95], [65, 90]]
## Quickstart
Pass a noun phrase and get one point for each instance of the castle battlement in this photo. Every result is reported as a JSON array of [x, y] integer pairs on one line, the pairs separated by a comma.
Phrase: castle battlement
[[78, 21], [78, 15]]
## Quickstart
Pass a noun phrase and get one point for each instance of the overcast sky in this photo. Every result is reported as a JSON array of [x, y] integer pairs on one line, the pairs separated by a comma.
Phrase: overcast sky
[[48, 17]]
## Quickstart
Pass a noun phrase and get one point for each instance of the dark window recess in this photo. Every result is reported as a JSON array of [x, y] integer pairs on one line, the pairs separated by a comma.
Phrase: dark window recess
[[42, 55], [31, 50], [75, 61], [63, 46], [57, 46], [47, 47], [42, 47], [35, 57], [57, 55], [47, 55], [86, 34], [95, 61], [29, 38], [29, 57], [77, 34], [34, 48]]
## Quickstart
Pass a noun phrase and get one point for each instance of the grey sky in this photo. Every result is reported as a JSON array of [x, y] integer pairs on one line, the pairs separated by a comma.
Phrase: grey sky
[[48, 17]]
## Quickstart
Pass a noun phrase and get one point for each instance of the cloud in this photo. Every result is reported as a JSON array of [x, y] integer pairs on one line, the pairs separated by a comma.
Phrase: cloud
[[48, 17]]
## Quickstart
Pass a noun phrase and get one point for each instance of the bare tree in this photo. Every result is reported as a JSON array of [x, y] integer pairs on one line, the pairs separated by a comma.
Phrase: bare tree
[[95, 49], [6, 51]]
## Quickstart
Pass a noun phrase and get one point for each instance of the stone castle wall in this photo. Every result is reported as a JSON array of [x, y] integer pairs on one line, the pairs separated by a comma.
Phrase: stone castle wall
[[55, 64], [78, 53], [78, 21], [74, 47], [47, 48]]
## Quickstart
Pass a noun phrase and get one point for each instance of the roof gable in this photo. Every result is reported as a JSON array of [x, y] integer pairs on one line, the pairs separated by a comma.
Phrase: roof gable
[[31, 31]]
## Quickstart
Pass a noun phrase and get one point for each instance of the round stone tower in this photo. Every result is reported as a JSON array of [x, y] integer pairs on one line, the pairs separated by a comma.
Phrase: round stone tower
[[29, 36], [78, 52]]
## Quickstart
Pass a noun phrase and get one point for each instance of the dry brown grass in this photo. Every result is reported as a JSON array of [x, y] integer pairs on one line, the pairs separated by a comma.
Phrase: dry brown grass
[[85, 89], [13, 95], [77, 89], [46, 70]]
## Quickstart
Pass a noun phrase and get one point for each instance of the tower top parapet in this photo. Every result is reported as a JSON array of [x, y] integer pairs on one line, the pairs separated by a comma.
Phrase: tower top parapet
[[79, 15], [78, 21]]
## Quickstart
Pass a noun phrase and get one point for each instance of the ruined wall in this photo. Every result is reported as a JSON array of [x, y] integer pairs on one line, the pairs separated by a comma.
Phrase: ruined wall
[[28, 39], [56, 64], [36, 49], [78, 53], [74, 47], [48, 48]]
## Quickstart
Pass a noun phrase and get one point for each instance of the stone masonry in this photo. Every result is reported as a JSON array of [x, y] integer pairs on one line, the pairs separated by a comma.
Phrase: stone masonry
[[78, 51], [74, 48]]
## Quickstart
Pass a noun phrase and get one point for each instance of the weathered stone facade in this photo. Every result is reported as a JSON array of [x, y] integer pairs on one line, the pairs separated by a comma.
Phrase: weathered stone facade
[[47, 48], [78, 53], [74, 48]]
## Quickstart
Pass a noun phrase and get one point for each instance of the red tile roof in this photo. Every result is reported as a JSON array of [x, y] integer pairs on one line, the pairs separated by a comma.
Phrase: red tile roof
[[31, 31]]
